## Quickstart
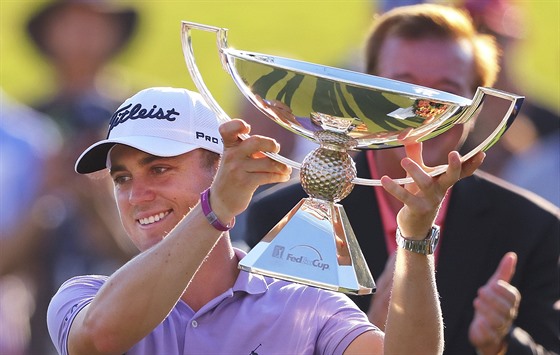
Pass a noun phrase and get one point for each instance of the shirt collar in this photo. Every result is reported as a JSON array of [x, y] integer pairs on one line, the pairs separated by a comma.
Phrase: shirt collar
[[249, 282]]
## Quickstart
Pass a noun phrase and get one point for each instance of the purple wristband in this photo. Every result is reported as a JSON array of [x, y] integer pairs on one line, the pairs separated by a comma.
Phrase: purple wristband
[[210, 215]]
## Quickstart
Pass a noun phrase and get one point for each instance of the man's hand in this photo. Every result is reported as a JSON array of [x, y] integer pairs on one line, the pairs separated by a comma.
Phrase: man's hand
[[423, 197], [495, 309], [243, 168]]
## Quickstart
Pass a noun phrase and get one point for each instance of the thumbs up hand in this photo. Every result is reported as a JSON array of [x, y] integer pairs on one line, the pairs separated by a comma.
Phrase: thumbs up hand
[[495, 308]]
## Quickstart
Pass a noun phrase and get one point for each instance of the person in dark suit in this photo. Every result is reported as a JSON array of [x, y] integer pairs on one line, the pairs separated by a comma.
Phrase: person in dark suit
[[498, 266]]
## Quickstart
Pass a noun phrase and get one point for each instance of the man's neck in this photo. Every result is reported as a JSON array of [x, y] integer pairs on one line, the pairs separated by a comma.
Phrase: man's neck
[[217, 274]]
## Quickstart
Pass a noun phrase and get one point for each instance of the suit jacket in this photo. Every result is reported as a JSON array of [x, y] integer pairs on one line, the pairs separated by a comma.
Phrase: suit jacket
[[486, 218]]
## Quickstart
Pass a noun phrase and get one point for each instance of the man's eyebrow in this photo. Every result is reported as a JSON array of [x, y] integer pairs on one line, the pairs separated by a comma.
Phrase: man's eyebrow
[[143, 162], [148, 159]]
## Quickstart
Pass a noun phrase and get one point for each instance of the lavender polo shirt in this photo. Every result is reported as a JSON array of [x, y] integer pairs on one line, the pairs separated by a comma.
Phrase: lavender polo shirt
[[259, 315]]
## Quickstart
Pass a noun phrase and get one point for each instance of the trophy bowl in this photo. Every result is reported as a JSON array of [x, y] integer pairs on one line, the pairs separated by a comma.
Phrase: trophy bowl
[[376, 112], [340, 110]]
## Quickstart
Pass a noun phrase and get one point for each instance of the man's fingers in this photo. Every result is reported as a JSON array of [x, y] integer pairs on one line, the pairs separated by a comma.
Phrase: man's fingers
[[231, 130], [253, 146], [418, 173], [414, 152], [267, 165], [244, 167], [469, 167], [506, 268], [394, 189], [452, 172]]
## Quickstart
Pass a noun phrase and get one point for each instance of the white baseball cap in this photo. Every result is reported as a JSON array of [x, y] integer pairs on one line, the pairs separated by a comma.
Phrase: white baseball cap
[[161, 121]]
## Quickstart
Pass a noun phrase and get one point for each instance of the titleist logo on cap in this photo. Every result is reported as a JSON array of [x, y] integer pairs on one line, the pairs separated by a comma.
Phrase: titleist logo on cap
[[137, 111]]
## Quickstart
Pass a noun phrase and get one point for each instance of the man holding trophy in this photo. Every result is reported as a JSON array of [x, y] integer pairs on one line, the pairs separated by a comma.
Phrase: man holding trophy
[[189, 291], [498, 262], [184, 293]]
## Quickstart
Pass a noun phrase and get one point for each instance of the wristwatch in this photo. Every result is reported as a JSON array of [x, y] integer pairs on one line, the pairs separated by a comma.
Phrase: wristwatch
[[426, 246]]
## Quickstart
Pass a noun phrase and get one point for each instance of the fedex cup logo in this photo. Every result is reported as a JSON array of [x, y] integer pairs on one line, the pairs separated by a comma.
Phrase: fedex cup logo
[[301, 254]]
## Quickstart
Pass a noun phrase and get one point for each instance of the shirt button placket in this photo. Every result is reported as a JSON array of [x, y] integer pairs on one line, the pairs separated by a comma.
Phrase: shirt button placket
[[194, 323]]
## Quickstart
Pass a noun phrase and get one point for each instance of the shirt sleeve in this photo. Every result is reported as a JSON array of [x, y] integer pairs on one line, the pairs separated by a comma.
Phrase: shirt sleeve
[[342, 327], [70, 299]]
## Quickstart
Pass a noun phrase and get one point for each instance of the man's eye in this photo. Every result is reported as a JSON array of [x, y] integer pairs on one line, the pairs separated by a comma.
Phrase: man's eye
[[159, 169], [119, 180]]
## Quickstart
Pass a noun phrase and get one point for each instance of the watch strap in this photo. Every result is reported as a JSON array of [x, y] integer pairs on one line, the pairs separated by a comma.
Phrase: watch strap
[[425, 246]]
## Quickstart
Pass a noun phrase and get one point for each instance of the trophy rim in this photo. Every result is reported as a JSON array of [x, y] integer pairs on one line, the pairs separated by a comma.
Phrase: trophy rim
[[360, 81], [367, 81]]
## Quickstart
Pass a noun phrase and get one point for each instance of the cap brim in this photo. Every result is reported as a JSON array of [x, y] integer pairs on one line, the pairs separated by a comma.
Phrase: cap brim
[[94, 158]]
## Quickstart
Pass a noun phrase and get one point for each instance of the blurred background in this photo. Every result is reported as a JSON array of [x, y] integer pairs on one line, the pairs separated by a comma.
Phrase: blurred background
[[325, 32], [63, 72], [319, 31]]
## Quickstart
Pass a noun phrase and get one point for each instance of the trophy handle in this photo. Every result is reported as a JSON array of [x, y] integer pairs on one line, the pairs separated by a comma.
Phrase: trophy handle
[[515, 104], [221, 34]]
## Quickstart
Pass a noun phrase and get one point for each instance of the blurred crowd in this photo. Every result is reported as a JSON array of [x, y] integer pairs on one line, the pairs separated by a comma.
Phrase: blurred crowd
[[59, 224], [56, 224]]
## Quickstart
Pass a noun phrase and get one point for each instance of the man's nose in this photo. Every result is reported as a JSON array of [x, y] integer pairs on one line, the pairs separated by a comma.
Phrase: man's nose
[[140, 192]]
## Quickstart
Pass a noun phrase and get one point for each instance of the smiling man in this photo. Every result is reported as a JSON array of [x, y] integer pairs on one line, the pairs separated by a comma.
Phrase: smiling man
[[184, 293]]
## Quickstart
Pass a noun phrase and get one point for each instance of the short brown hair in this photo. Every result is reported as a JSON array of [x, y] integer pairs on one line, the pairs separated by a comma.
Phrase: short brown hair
[[210, 160], [433, 20]]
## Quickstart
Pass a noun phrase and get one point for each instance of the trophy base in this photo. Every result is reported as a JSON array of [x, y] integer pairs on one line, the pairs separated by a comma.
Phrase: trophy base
[[313, 245]]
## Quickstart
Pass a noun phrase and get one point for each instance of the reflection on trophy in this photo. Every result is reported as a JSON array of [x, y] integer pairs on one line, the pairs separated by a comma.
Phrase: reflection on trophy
[[341, 111]]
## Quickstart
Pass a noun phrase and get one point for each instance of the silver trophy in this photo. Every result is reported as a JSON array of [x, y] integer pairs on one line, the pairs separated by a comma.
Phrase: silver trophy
[[341, 111]]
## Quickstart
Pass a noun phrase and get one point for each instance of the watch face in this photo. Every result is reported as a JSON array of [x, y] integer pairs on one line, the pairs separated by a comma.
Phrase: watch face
[[434, 239]]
